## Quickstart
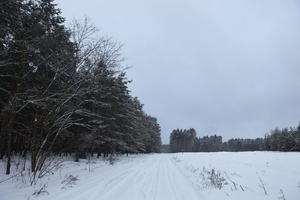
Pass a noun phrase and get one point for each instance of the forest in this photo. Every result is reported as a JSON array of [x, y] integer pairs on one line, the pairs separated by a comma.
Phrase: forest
[[64, 90], [186, 140]]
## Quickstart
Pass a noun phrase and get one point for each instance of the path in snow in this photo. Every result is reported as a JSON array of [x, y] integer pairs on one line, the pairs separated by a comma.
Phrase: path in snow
[[177, 176], [152, 178]]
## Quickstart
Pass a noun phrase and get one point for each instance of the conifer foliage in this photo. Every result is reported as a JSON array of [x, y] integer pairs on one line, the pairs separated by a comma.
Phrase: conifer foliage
[[182, 140], [63, 90]]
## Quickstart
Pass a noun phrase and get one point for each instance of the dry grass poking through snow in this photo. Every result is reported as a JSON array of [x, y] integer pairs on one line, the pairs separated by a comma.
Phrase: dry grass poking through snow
[[243, 175]]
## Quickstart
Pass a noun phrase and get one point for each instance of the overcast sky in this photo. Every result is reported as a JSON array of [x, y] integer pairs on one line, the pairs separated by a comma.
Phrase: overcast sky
[[230, 68]]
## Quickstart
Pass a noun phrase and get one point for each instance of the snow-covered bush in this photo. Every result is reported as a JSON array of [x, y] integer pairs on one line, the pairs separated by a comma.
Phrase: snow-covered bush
[[213, 178], [41, 191], [70, 181]]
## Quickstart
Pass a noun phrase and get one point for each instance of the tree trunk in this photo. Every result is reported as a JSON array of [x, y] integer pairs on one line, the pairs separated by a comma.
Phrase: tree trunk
[[77, 156], [2, 144], [7, 131], [8, 164], [33, 146]]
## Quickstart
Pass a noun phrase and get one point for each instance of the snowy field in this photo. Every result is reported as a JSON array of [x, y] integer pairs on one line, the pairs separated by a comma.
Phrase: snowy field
[[180, 176]]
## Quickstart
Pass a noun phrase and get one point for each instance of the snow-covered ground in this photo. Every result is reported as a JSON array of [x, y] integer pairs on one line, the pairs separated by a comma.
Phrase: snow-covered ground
[[180, 176]]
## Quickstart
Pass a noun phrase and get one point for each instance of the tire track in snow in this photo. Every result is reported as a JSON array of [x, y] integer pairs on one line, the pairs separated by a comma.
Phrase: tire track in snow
[[101, 182], [154, 178]]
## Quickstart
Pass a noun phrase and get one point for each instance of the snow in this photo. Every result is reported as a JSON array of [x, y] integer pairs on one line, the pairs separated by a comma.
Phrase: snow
[[178, 176]]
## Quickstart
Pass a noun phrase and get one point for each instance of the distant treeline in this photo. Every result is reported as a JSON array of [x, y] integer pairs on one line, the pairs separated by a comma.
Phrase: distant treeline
[[63, 90], [185, 140]]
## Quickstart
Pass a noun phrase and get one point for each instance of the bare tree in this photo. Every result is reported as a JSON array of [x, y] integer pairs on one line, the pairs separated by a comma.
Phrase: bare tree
[[90, 47]]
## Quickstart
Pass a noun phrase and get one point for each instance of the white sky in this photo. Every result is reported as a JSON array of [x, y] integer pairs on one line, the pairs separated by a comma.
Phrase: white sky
[[230, 67]]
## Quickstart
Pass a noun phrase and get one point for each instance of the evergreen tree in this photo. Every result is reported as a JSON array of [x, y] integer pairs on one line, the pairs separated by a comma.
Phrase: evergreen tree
[[63, 91]]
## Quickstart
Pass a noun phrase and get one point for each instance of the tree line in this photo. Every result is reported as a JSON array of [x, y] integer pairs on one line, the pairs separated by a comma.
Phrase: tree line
[[64, 89], [186, 140]]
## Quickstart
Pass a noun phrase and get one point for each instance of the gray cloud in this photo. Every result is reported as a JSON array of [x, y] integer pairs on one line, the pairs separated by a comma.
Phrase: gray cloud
[[222, 67]]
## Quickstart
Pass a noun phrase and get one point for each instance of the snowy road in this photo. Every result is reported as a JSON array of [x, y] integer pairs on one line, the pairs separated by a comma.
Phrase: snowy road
[[152, 178], [178, 176]]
